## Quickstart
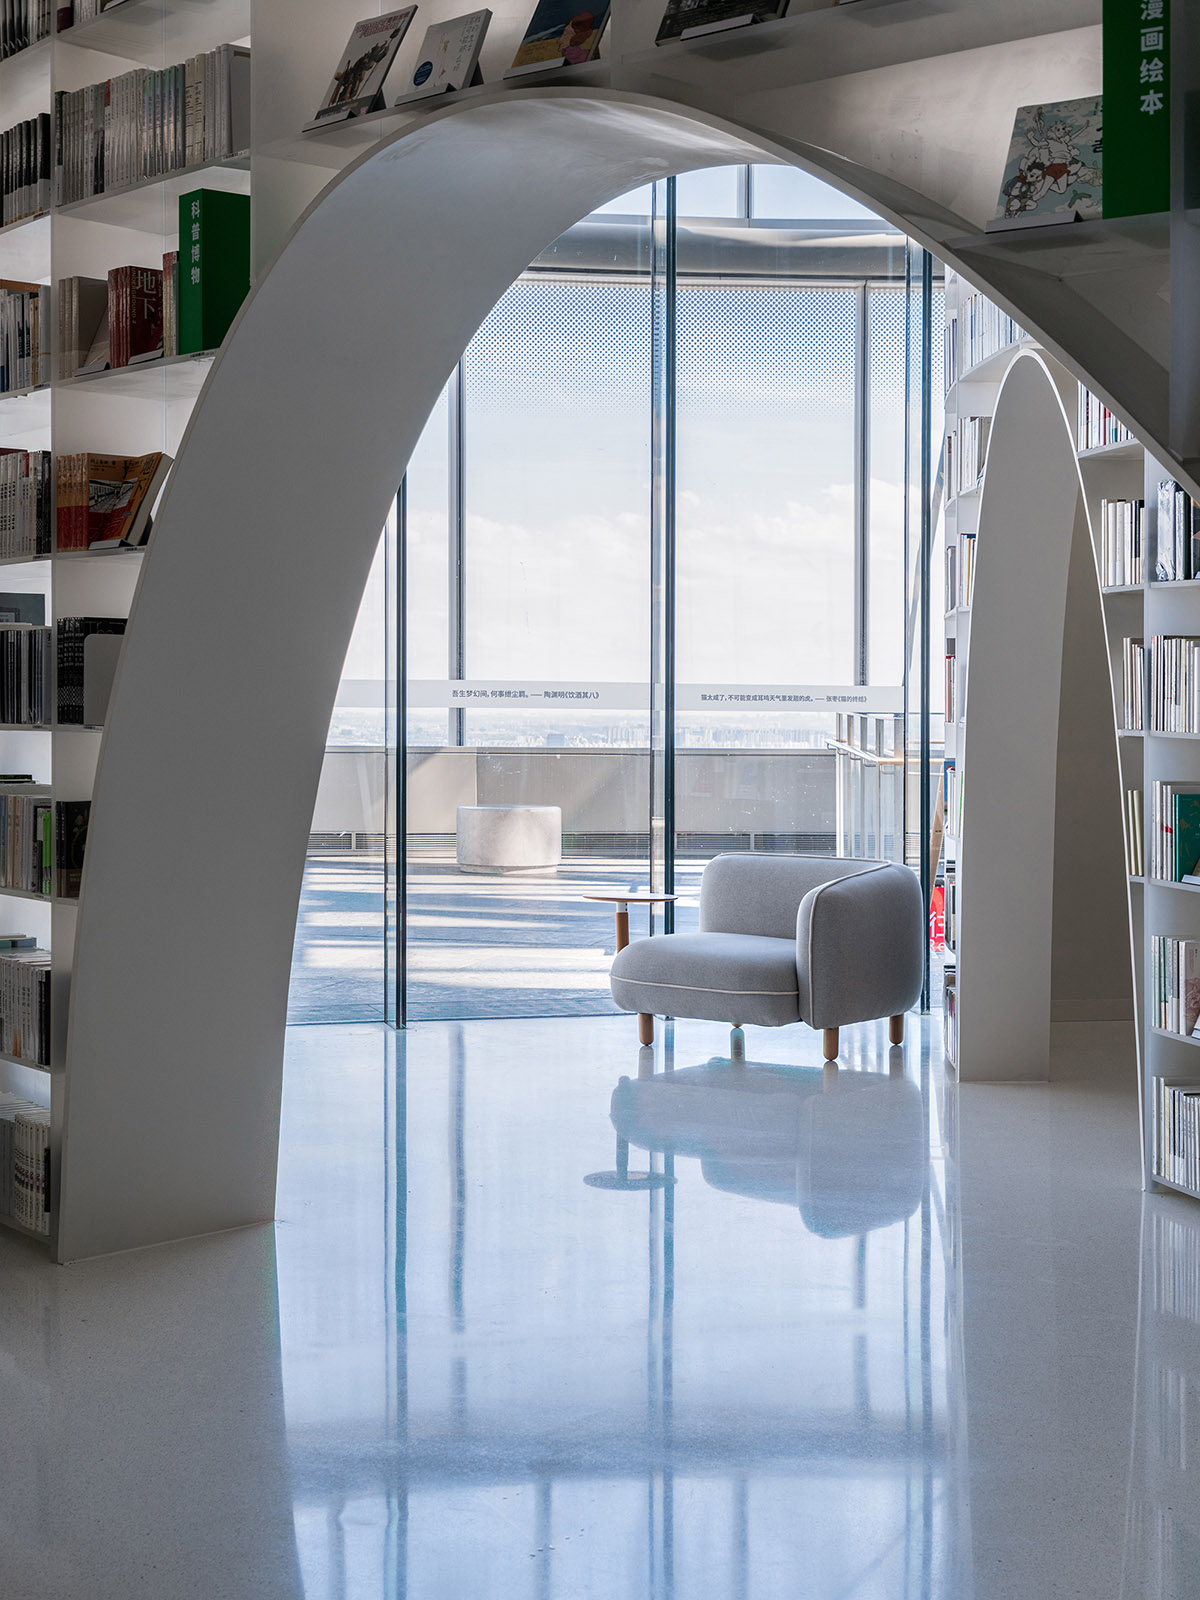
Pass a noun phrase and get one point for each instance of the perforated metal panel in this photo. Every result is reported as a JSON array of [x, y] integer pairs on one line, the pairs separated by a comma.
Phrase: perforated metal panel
[[753, 349], [551, 342]]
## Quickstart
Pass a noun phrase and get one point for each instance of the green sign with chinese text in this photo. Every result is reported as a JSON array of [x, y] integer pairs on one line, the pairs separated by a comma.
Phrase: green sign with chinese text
[[1137, 120]]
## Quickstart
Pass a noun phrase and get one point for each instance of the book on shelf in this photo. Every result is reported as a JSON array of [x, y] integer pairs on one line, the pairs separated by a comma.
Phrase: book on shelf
[[31, 1170], [26, 169], [1136, 81], [966, 452], [1176, 534], [357, 83], [1175, 983], [135, 315], [950, 681], [683, 17], [1097, 427], [25, 1005], [1176, 1141], [976, 332], [1173, 671], [71, 633], [82, 308], [75, 13], [1134, 833], [24, 22], [146, 123], [71, 819], [26, 824], [1054, 171], [448, 58], [1133, 684], [24, 335], [26, 497], [1122, 543], [21, 607], [951, 574], [106, 500], [24, 674], [950, 1020], [561, 33], [214, 238], [170, 270], [1174, 829]]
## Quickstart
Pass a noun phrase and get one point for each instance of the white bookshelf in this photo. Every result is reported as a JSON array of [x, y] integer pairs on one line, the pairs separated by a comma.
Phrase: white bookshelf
[[132, 410]]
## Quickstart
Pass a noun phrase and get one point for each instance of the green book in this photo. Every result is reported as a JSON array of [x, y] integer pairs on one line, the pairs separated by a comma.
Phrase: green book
[[1137, 113], [1186, 836], [214, 265]]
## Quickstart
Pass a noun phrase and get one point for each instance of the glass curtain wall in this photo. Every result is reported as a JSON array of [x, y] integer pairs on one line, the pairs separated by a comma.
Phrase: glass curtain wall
[[658, 556]]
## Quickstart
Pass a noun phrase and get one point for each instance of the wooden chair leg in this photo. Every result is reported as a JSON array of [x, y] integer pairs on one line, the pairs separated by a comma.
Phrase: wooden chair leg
[[737, 1044], [896, 1029], [645, 1027], [831, 1044]]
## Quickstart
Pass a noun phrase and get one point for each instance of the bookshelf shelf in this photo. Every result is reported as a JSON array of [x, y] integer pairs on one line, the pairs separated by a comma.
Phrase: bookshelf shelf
[[95, 555], [992, 368], [168, 378], [1170, 883], [1075, 249], [150, 206], [27, 1233], [21, 561], [1129, 450], [1124, 588], [19, 1061], [1179, 1188], [149, 31], [1183, 1038]]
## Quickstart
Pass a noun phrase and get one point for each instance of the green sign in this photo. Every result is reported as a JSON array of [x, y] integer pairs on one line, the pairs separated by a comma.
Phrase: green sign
[[1137, 116]]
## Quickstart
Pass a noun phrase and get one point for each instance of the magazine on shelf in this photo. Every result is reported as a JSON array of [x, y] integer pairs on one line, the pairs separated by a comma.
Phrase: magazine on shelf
[[1054, 171], [561, 33], [684, 19], [357, 84], [449, 57]]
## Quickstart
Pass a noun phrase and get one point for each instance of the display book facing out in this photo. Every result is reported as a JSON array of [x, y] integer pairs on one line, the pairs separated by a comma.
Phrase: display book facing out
[[73, 296]]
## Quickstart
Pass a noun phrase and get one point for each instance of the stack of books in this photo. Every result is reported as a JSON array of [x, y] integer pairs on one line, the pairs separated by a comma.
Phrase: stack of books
[[1175, 831], [1121, 543], [1176, 535], [24, 336], [966, 451], [25, 1004], [1174, 673], [26, 499], [26, 840], [24, 674], [24, 22], [1134, 833], [72, 631], [1177, 1132], [145, 124], [13, 1111], [26, 169], [1097, 426], [1133, 684]]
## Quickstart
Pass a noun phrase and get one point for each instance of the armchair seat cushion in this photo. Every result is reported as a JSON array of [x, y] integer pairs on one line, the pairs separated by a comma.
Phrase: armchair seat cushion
[[721, 977]]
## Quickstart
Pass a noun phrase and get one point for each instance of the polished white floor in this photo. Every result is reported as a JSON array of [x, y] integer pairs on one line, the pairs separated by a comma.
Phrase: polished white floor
[[880, 1339]]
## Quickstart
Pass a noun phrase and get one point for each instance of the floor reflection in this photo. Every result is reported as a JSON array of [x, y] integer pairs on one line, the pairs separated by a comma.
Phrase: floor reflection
[[671, 1391]]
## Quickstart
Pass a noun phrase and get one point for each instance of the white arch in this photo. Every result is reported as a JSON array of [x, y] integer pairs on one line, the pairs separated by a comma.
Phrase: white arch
[[210, 760]]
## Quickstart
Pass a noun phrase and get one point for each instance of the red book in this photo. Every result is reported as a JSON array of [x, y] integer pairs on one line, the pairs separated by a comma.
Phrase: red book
[[135, 313]]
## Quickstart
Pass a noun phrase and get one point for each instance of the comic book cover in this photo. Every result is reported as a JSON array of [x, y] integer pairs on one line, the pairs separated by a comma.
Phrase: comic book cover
[[562, 31], [1055, 165]]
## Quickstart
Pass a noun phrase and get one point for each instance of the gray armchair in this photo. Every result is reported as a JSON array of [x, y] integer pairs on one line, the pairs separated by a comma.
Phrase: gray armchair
[[813, 939]]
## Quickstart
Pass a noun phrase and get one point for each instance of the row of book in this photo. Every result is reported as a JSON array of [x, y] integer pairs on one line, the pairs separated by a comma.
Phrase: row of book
[[26, 501], [26, 842], [1122, 543], [103, 502], [978, 331], [25, 1002], [951, 701], [1177, 535], [1133, 685], [950, 908], [24, 22], [140, 314], [960, 571], [71, 656], [1135, 860], [24, 1163], [1096, 425], [950, 1020], [1177, 1132], [25, 669], [26, 169], [145, 123], [1175, 983], [24, 336], [952, 792], [1173, 684], [1175, 831], [966, 451]]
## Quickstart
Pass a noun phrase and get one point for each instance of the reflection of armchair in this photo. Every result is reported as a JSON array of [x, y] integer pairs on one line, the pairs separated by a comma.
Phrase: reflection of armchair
[[813, 939], [847, 1148]]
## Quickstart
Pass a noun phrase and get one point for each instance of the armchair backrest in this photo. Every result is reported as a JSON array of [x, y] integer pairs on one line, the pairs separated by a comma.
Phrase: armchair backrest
[[762, 893]]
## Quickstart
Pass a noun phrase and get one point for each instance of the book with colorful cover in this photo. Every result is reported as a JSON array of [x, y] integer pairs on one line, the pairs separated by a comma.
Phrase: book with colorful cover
[[1186, 834], [1054, 171], [357, 83], [561, 33]]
